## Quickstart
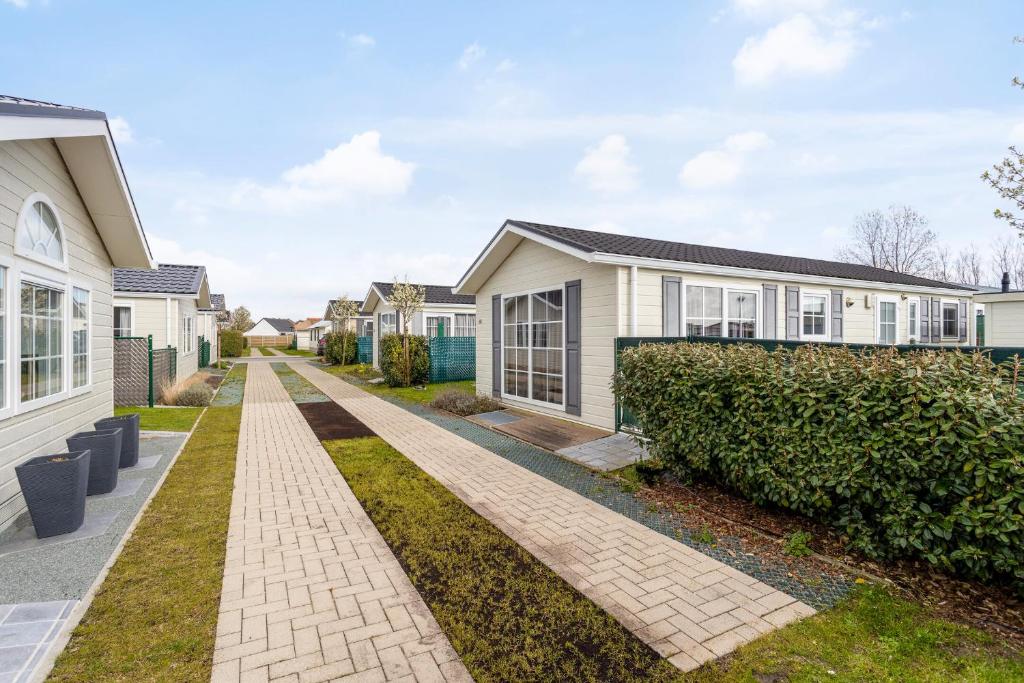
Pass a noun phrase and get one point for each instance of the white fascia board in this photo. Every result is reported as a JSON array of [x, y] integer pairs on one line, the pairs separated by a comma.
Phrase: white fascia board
[[154, 295], [707, 269], [997, 297], [41, 127]]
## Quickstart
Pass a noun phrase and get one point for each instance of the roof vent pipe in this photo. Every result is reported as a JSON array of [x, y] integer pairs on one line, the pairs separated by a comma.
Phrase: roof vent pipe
[[1006, 281]]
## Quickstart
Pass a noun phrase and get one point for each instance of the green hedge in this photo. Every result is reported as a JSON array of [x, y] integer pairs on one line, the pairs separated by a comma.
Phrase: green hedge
[[911, 455], [392, 359], [337, 352], [231, 343]]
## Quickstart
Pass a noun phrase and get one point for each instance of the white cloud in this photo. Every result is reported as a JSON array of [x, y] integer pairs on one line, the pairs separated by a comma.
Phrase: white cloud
[[361, 40], [770, 9], [349, 171], [122, 132], [471, 55], [607, 167], [794, 47], [719, 167], [20, 4], [505, 65], [1017, 134]]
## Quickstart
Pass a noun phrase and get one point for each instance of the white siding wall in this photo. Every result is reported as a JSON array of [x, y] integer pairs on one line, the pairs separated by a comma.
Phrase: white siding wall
[[160, 316], [531, 266], [149, 317], [188, 363], [417, 326], [36, 166], [262, 329], [1004, 323]]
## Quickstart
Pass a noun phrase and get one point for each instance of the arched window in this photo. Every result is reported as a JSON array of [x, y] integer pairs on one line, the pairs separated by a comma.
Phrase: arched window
[[39, 231]]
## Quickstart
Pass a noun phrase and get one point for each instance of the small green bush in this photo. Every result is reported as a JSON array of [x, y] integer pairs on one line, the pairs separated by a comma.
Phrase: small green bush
[[798, 544], [919, 454], [195, 394], [464, 403], [337, 351], [392, 360], [231, 343]]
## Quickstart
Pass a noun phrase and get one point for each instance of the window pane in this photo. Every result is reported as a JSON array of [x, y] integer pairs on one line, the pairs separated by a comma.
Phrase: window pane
[[712, 302], [694, 302]]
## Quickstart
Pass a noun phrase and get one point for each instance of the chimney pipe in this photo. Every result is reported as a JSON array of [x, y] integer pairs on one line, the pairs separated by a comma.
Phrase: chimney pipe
[[1006, 281]]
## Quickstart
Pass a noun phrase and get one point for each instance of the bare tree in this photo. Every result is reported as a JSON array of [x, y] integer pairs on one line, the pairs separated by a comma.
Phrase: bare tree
[[968, 267], [1007, 176], [897, 239], [407, 300], [943, 265], [1008, 257]]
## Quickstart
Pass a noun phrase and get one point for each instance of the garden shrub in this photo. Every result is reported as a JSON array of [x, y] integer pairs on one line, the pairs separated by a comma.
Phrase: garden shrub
[[464, 403], [231, 343], [392, 359], [337, 351], [195, 394], [919, 454]]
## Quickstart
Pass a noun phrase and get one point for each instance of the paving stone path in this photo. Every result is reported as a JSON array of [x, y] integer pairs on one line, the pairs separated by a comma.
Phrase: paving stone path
[[311, 590], [689, 607]]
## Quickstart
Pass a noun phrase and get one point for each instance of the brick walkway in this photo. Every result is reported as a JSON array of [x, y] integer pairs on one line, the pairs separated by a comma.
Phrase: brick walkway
[[686, 605], [311, 590]]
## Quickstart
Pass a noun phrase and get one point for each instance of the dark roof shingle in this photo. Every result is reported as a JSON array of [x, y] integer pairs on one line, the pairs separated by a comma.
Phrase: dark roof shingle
[[281, 324], [435, 294], [167, 278], [642, 247]]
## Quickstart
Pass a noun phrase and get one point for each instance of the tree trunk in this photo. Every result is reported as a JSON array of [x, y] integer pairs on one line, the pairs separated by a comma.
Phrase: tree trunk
[[408, 365]]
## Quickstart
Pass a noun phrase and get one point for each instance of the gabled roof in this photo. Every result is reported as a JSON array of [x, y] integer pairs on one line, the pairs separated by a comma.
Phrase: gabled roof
[[217, 302], [167, 278], [434, 294], [279, 324], [86, 146], [329, 311], [604, 247], [306, 324]]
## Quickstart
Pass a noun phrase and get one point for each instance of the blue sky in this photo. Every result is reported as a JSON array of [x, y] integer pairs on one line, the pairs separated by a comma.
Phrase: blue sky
[[301, 150]]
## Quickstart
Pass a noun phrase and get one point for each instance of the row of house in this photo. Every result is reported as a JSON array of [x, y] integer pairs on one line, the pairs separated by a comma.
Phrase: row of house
[[546, 304]]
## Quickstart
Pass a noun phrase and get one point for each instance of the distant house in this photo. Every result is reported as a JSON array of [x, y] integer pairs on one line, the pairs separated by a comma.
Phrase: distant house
[[453, 315], [551, 301], [271, 332], [304, 334], [67, 217], [167, 304], [1003, 314], [220, 310], [209, 323], [361, 323]]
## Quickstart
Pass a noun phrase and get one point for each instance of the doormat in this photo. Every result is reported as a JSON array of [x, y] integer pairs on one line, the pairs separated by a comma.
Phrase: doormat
[[330, 421]]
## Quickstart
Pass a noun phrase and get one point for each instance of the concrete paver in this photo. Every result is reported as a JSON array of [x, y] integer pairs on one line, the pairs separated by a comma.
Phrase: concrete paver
[[610, 453], [687, 606], [311, 590]]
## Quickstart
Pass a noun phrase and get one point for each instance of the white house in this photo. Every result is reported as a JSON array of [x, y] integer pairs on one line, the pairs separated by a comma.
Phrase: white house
[[164, 303], [361, 323], [455, 314], [1004, 314], [550, 302], [66, 219], [209, 322], [306, 335], [270, 331]]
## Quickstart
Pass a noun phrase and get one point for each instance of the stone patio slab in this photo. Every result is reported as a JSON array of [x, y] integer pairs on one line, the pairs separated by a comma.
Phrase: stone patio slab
[[497, 417], [96, 523], [610, 453]]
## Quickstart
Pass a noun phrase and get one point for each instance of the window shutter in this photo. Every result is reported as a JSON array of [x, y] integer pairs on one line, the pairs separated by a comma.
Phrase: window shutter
[[962, 320], [573, 342], [936, 320], [496, 373], [837, 315], [924, 310], [792, 312], [769, 326], [671, 307]]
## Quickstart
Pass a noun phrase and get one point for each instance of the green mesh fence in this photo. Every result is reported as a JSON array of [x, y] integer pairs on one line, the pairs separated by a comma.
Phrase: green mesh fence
[[364, 349], [452, 358]]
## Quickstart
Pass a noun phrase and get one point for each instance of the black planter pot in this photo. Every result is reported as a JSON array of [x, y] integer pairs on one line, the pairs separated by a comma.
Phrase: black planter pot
[[104, 459], [54, 487], [129, 425]]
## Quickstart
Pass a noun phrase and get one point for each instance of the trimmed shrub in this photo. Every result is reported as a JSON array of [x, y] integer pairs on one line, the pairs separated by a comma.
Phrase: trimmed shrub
[[392, 359], [336, 352], [919, 454], [464, 403], [231, 343]]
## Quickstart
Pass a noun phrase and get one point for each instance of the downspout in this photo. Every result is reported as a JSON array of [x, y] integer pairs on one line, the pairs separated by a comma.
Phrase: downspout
[[634, 315]]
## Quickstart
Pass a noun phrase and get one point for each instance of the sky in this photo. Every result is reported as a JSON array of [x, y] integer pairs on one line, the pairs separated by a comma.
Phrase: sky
[[302, 150]]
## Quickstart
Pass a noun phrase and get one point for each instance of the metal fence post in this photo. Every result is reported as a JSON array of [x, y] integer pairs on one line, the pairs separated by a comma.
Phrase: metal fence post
[[149, 344]]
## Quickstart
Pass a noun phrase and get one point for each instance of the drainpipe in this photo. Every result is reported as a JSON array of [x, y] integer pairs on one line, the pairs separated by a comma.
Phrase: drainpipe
[[633, 313]]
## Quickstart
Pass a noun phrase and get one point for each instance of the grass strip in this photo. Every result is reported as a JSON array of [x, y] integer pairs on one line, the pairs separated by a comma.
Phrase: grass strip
[[508, 615], [870, 636], [423, 395], [162, 419], [299, 389], [231, 389], [155, 616], [299, 352], [265, 351]]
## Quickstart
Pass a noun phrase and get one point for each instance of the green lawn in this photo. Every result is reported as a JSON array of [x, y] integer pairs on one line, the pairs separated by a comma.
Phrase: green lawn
[[357, 370], [299, 352], [155, 616], [506, 613], [162, 419], [871, 636], [416, 394], [265, 351]]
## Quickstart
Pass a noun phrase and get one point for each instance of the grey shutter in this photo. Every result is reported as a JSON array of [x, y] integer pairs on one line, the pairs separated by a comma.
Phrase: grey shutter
[[837, 315], [936, 320], [924, 310], [792, 312], [573, 360], [671, 306], [496, 374], [962, 320], [770, 325]]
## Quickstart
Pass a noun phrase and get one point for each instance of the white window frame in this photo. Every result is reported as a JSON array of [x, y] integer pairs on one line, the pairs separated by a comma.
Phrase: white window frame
[[384, 326], [914, 319], [529, 356], [878, 318], [942, 320], [448, 325], [188, 334], [29, 255], [130, 305], [8, 398], [804, 294], [22, 406], [686, 298], [73, 390], [455, 323], [726, 316]]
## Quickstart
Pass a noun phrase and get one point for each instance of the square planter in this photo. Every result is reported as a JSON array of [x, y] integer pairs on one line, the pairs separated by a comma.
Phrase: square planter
[[129, 425], [54, 488], [104, 460]]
